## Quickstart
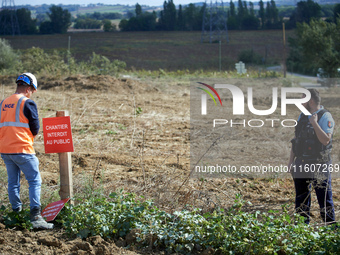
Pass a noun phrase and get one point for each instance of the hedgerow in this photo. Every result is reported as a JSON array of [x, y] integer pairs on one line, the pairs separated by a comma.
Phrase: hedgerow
[[56, 63]]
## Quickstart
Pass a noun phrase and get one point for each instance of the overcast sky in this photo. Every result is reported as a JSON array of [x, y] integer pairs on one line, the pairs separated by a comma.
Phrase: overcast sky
[[125, 2]]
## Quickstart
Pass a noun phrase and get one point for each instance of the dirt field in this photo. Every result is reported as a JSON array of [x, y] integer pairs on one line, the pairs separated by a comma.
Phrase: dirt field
[[135, 134]]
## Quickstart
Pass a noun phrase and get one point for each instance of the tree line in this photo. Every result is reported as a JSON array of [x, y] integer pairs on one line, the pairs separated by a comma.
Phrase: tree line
[[58, 21], [241, 15], [169, 19]]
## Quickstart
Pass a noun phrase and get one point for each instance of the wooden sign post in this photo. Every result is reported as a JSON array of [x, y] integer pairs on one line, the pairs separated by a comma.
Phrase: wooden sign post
[[65, 167], [58, 139]]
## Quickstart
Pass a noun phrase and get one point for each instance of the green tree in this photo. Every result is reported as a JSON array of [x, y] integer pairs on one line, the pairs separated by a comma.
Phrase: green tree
[[96, 15], [40, 18], [306, 11], [138, 9], [245, 8], [272, 16], [274, 12], [108, 26], [9, 59], [232, 9], [143, 22], [60, 19], [250, 22], [319, 42], [268, 16], [232, 22], [245, 18], [193, 17], [46, 27], [262, 14], [27, 25], [180, 19], [240, 11], [251, 9], [123, 25], [336, 12], [168, 16], [87, 24], [147, 21]]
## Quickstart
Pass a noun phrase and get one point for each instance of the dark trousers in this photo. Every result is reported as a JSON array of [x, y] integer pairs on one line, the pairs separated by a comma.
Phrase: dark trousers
[[323, 190]]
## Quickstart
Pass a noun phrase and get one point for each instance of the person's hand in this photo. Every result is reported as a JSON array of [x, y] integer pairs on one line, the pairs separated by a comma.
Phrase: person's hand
[[313, 119]]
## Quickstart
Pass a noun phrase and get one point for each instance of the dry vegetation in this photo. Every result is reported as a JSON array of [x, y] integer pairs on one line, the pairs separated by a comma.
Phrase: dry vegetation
[[135, 134]]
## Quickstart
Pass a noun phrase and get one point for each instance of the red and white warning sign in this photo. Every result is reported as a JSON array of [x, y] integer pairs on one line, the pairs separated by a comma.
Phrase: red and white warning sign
[[57, 134], [51, 211]]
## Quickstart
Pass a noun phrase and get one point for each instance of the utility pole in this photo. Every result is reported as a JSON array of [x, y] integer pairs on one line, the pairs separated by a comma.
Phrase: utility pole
[[284, 51], [214, 25]]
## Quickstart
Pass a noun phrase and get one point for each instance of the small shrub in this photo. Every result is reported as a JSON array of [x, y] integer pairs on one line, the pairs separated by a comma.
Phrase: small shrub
[[250, 57], [9, 59], [99, 64], [108, 26], [37, 61]]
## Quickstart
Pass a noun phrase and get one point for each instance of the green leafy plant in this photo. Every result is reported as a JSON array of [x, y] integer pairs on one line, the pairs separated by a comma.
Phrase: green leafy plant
[[227, 231], [111, 132], [139, 110], [230, 231], [16, 219], [250, 57]]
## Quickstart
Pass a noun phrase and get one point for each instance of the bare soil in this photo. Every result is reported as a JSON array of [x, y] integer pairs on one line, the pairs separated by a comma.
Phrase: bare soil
[[135, 134]]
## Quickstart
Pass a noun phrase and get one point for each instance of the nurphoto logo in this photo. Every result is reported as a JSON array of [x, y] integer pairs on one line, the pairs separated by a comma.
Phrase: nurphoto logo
[[238, 107], [238, 99], [242, 127]]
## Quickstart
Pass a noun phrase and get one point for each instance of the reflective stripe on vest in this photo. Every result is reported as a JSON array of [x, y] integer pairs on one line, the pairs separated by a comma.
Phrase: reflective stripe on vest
[[17, 122], [15, 133]]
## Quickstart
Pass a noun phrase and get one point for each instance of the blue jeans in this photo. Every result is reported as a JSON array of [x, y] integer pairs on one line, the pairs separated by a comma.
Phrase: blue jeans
[[29, 165]]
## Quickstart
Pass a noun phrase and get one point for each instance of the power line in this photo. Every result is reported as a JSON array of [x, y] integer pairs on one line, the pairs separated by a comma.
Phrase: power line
[[214, 25]]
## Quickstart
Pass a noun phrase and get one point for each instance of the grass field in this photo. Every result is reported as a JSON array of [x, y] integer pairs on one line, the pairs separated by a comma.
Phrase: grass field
[[103, 9], [162, 50], [111, 8]]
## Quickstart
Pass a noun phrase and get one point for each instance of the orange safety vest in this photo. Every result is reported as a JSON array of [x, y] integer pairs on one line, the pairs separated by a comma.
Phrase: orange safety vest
[[15, 133]]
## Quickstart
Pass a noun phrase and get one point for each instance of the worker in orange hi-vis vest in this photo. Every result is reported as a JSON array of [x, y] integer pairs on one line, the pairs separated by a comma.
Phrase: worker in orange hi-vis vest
[[19, 124]]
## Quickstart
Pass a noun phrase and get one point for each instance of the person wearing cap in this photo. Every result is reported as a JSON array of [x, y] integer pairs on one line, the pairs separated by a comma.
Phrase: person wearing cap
[[19, 124]]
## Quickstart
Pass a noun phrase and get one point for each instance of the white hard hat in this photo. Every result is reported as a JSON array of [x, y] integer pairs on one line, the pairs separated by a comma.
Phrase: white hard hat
[[29, 79]]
